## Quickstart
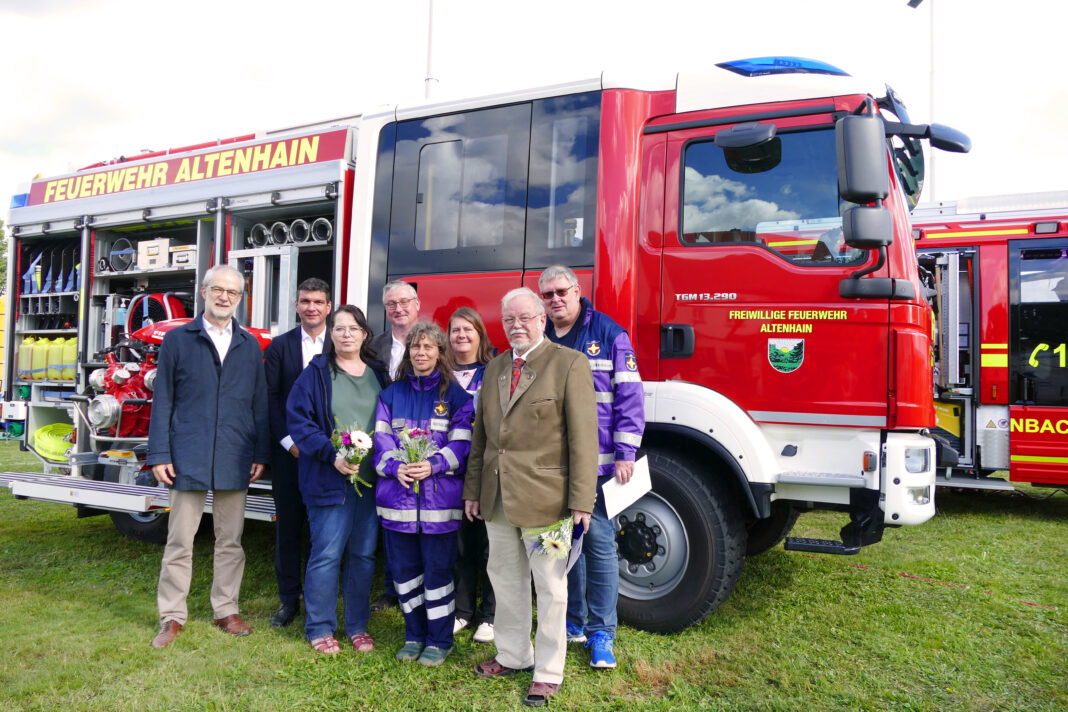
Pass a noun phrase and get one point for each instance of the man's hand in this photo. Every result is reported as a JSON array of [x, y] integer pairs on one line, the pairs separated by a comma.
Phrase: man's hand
[[294, 451], [581, 518], [471, 509], [256, 472], [624, 471], [164, 473]]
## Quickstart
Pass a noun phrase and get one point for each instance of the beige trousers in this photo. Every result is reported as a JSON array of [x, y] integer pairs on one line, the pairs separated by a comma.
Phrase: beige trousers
[[510, 567], [176, 572]]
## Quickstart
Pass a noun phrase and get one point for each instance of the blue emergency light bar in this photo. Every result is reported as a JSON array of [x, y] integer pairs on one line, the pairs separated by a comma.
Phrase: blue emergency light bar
[[760, 66], [20, 200]]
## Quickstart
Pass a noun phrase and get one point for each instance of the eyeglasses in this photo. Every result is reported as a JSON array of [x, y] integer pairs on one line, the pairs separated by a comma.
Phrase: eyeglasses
[[558, 292], [346, 330], [398, 303], [523, 319], [219, 291]]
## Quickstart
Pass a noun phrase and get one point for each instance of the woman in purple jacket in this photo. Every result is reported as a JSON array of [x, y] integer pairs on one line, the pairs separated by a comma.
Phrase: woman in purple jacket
[[420, 504]]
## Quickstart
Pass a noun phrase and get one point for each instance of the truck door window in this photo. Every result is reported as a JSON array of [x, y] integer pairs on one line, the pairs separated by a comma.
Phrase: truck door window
[[561, 197], [1040, 327], [460, 191], [783, 197]]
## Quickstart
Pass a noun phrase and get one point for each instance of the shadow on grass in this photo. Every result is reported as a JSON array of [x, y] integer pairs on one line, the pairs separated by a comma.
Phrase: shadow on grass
[[1038, 504]]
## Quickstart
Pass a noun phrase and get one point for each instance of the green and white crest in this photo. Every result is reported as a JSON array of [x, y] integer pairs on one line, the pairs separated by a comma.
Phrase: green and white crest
[[786, 355]]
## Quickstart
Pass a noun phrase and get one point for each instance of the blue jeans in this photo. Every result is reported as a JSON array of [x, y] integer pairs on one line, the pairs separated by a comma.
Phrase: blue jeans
[[593, 582], [342, 532]]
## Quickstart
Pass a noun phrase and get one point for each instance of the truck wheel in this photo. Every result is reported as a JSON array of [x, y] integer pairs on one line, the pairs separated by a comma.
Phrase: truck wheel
[[681, 548], [150, 527], [766, 534]]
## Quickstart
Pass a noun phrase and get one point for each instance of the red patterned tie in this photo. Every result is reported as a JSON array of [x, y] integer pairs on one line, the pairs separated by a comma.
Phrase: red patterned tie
[[517, 371]]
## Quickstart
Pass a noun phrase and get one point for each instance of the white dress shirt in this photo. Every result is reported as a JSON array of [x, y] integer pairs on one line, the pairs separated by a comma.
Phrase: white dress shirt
[[220, 337], [310, 346], [396, 353]]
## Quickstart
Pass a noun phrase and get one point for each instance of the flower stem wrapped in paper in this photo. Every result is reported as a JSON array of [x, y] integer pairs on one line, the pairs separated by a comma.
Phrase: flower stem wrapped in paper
[[416, 446], [352, 445], [553, 541]]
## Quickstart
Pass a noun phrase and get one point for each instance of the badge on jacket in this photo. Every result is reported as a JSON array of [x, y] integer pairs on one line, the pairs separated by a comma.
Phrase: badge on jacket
[[593, 348]]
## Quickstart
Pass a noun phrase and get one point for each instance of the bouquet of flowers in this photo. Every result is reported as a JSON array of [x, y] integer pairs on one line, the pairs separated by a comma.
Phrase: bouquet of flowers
[[553, 541], [353, 445], [416, 446]]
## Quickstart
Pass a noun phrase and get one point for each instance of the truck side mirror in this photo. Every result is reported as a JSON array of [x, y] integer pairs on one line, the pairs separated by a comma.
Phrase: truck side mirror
[[949, 139], [860, 142], [867, 228]]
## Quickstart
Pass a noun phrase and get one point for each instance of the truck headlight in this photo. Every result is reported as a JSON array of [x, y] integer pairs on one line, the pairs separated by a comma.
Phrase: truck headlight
[[917, 459]]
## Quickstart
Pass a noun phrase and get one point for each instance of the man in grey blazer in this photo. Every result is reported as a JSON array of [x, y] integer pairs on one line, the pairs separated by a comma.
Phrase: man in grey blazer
[[533, 462]]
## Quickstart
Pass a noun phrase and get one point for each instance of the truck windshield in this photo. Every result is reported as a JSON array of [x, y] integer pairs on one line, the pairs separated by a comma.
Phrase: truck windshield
[[782, 195]]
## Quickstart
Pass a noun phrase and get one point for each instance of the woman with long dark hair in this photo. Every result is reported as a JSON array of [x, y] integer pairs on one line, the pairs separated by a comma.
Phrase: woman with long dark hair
[[471, 350], [337, 391], [420, 499]]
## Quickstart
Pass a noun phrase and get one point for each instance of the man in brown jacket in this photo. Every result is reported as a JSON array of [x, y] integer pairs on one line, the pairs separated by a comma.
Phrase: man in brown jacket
[[533, 462]]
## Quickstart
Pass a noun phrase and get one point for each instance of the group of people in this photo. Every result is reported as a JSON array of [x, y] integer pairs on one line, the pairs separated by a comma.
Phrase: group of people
[[508, 451]]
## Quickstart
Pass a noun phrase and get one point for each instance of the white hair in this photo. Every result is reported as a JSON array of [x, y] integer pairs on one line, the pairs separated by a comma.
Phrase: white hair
[[553, 271], [397, 284], [211, 274], [527, 292]]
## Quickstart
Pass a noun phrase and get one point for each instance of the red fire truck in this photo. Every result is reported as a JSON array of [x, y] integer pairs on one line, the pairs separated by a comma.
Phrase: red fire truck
[[748, 226], [997, 269]]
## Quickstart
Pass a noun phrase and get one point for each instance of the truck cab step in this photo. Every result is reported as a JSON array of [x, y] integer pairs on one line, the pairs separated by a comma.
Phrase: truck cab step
[[832, 479], [819, 546]]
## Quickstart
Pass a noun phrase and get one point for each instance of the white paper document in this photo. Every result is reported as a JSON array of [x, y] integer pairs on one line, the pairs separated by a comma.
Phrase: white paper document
[[618, 497]]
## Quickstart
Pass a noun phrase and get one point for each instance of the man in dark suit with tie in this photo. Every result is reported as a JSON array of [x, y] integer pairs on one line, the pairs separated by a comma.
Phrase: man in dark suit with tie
[[285, 358], [533, 462]]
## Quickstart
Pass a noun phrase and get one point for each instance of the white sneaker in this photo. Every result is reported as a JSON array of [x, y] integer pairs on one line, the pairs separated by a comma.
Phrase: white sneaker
[[484, 633], [459, 625]]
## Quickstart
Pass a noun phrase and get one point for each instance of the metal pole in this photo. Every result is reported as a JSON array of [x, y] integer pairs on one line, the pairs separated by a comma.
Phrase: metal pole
[[430, 79], [931, 60]]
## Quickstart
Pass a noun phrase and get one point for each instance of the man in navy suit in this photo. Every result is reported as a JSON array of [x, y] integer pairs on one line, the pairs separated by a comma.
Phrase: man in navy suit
[[285, 358]]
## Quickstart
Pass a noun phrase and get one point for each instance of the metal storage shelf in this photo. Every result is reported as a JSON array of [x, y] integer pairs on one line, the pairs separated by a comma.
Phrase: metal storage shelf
[[146, 272], [72, 330]]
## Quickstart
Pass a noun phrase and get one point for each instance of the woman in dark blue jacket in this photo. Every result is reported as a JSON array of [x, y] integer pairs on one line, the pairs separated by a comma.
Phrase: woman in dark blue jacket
[[338, 390]]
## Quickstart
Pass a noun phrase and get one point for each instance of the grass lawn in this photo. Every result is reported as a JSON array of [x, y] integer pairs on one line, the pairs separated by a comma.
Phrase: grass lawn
[[967, 612]]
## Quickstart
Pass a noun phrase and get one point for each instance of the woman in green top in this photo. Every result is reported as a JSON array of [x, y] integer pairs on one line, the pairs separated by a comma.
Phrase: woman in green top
[[337, 391]]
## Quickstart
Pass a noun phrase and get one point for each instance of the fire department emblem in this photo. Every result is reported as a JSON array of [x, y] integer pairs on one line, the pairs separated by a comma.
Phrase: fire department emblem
[[786, 355], [593, 348], [632, 363], [441, 409]]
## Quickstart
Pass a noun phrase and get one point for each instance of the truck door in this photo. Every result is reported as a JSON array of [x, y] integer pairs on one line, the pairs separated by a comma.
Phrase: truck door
[[752, 258], [1038, 360]]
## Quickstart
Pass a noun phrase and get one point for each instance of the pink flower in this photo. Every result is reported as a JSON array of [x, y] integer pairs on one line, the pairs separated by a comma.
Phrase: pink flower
[[346, 439]]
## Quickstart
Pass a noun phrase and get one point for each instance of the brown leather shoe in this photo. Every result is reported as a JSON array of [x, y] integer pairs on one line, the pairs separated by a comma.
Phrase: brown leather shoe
[[539, 693], [492, 668], [233, 625], [168, 631]]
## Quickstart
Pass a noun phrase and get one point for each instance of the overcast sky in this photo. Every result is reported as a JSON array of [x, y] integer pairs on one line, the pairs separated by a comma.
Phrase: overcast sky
[[89, 80]]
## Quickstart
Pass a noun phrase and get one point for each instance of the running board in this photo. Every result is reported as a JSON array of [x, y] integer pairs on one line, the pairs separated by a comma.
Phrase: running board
[[819, 546], [978, 483], [112, 496]]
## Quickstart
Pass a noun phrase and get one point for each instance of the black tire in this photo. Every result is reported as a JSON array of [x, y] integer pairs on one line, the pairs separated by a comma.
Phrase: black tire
[[766, 534], [150, 528], [691, 537]]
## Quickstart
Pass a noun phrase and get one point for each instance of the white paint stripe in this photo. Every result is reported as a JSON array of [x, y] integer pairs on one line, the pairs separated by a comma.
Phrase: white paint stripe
[[770, 416]]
